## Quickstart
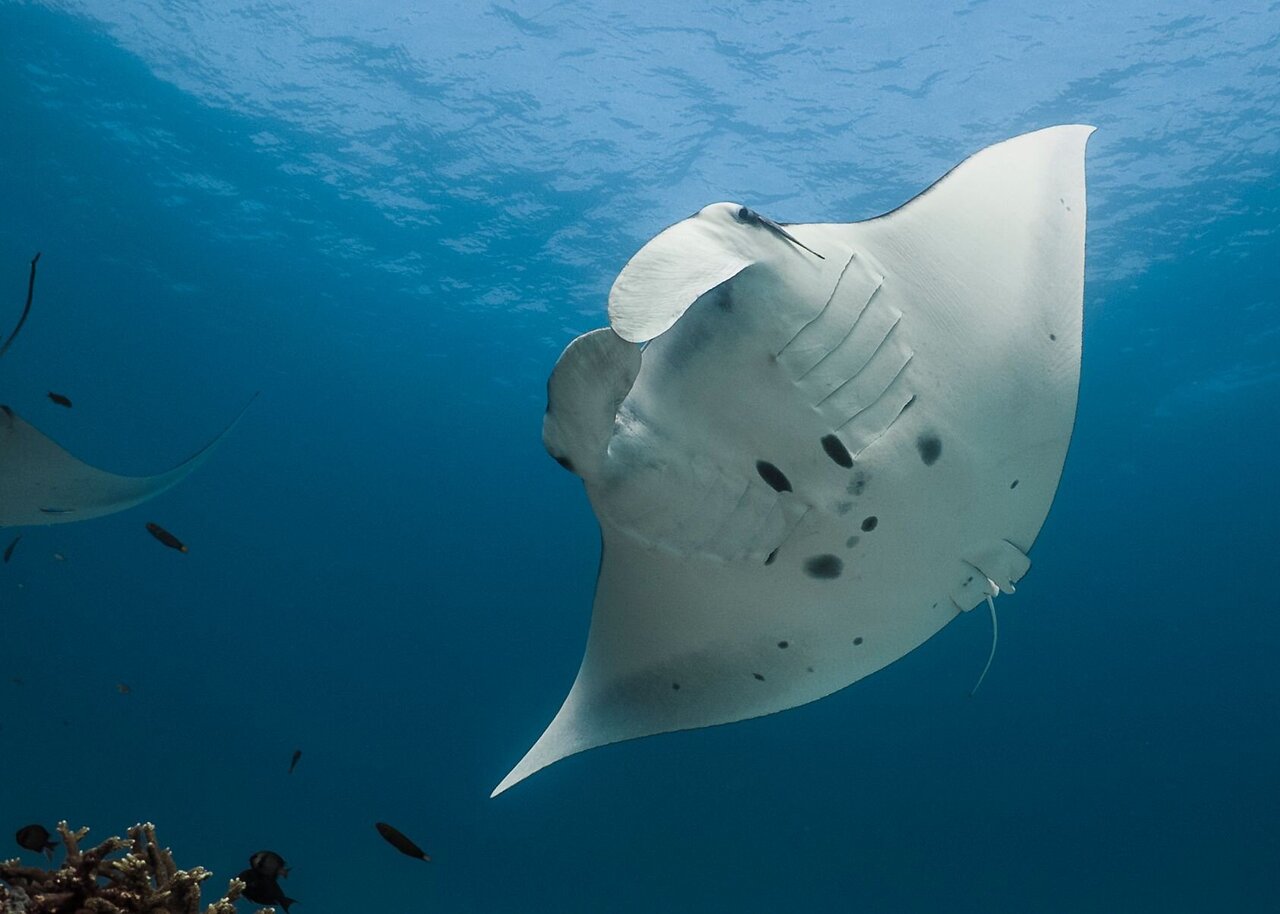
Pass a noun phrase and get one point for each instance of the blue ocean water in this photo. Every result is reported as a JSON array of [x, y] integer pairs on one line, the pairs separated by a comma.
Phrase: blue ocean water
[[389, 218]]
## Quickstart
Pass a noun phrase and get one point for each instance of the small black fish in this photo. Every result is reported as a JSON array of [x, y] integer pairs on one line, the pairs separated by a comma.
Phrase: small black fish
[[293, 763], [262, 889], [166, 537], [397, 840], [8, 550], [60, 399], [36, 838], [269, 864]]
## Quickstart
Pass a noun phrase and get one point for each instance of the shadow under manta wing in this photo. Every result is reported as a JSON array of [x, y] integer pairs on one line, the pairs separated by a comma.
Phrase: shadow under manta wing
[[41, 482], [838, 438]]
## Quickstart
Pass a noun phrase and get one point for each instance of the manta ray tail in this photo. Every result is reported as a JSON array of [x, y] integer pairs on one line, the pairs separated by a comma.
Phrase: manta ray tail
[[26, 310], [995, 636]]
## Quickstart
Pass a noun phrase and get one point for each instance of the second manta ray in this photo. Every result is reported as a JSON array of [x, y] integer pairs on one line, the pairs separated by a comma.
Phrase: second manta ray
[[42, 483], [837, 439]]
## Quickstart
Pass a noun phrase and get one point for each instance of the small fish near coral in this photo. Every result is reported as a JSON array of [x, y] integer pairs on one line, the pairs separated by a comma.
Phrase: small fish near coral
[[166, 537], [36, 838], [269, 864], [400, 841], [262, 889], [293, 762], [60, 399]]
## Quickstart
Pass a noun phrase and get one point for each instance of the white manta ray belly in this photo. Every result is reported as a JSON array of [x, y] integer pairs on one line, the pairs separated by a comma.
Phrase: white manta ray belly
[[837, 438]]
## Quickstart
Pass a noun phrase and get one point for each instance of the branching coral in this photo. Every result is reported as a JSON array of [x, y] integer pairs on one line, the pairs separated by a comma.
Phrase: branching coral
[[144, 881]]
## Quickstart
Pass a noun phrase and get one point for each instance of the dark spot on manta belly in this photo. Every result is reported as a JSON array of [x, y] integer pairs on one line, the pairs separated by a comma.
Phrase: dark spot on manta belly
[[857, 640], [824, 566], [930, 448], [837, 451], [772, 555], [784, 644], [773, 476], [869, 523], [675, 686], [758, 676], [1014, 484], [851, 542], [1053, 336]]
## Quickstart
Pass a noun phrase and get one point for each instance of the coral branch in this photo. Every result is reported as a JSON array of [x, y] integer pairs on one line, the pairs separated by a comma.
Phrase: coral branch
[[146, 880]]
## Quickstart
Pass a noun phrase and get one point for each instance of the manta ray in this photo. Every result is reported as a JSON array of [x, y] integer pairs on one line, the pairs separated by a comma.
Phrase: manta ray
[[42, 483], [811, 446]]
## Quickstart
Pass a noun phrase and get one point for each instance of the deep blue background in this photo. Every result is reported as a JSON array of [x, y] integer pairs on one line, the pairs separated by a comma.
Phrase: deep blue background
[[390, 222]]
